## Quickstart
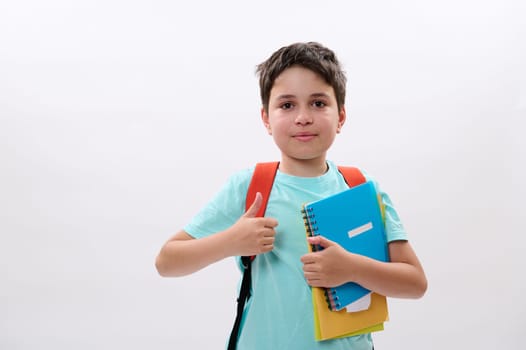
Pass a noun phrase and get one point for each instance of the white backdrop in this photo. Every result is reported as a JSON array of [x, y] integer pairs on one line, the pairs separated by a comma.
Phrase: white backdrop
[[119, 119]]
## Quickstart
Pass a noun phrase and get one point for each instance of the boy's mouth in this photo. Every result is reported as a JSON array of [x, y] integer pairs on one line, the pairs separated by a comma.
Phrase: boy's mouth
[[304, 136]]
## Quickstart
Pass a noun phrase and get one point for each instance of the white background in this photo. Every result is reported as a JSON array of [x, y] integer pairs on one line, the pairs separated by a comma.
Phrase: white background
[[120, 119]]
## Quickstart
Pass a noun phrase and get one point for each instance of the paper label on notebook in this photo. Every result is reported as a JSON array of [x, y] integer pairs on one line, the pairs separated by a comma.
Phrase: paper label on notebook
[[361, 229], [361, 304]]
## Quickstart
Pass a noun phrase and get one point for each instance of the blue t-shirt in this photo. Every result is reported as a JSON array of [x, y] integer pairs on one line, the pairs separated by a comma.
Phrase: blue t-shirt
[[279, 313]]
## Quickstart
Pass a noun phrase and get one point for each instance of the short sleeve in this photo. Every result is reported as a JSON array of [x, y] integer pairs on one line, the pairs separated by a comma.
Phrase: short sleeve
[[224, 209], [393, 225]]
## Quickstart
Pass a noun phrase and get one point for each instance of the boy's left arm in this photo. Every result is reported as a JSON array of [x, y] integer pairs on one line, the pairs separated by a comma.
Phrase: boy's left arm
[[402, 277]]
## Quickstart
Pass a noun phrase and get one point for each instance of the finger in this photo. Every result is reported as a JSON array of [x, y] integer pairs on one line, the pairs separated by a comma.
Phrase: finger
[[315, 283], [309, 258], [269, 222], [269, 232], [310, 268], [254, 208], [267, 241], [321, 241], [312, 280], [306, 259], [267, 248], [311, 275]]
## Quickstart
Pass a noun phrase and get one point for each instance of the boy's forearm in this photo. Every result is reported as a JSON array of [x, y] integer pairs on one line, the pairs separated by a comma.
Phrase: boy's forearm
[[183, 257], [392, 279]]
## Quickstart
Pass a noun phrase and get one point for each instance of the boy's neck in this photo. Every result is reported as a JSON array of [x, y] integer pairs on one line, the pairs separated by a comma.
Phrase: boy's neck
[[304, 168]]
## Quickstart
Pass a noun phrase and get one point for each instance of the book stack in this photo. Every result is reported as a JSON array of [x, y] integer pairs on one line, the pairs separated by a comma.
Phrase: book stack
[[353, 219]]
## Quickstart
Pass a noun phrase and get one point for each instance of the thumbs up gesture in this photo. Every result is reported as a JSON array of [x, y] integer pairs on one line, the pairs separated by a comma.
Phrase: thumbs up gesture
[[252, 235], [252, 212]]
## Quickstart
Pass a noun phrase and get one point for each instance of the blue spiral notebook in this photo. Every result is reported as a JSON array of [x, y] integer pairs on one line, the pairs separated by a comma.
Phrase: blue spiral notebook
[[353, 219]]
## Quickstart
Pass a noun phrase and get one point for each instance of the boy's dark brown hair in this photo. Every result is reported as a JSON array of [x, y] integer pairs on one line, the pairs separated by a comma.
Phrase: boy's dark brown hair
[[310, 55]]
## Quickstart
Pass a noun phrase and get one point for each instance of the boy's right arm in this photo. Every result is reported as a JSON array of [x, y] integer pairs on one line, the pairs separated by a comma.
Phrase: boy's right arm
[[250, 235]]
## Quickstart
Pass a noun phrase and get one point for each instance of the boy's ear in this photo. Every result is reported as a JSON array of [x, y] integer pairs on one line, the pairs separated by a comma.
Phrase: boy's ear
[[264, 118], [342, 116]]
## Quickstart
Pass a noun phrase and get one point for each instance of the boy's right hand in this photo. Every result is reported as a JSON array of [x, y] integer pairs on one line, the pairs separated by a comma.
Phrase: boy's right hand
[[253, 235]]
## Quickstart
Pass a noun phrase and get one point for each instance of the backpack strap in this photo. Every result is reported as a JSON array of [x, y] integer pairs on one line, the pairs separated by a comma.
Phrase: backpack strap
[[262, 181], [353, 176]]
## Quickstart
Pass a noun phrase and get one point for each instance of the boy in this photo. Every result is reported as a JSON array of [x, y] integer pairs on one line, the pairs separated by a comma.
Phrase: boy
[[303, 94]]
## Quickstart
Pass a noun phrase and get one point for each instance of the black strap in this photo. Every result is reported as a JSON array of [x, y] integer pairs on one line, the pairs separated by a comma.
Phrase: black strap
[[244, 295]]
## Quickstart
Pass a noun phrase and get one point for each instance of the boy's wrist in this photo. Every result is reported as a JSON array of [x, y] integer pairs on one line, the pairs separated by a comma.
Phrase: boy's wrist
[[355, 267], [228, 242]]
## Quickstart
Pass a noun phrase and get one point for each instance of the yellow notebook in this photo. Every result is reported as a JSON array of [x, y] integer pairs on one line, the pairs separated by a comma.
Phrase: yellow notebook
[[338, 324]]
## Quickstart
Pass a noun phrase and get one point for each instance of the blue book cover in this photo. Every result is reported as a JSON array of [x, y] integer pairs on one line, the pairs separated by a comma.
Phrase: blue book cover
[[353, 219]]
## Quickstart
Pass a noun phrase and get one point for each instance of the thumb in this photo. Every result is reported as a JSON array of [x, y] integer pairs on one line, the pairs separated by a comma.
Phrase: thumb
[[320, 241], [254, 208]]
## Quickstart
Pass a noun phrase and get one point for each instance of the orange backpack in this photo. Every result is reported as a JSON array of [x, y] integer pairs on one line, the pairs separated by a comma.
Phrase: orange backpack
[[262, 181]]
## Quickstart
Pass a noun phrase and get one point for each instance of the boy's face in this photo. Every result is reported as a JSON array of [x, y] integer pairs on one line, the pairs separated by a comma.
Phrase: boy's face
[[303, 115]]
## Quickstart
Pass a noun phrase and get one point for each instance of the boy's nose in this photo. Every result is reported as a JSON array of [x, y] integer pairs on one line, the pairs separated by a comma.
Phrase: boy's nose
[[303, 118]]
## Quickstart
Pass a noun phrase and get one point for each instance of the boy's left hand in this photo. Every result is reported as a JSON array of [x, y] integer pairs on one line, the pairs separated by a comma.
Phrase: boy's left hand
[[329, 267]]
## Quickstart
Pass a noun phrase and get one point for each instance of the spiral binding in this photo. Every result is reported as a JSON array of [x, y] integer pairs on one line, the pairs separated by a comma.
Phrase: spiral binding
[[312, 230], [332, 299]]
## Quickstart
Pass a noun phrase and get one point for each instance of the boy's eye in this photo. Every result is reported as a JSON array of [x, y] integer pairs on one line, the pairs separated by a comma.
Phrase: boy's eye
[[286, 105], [319, 104]]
